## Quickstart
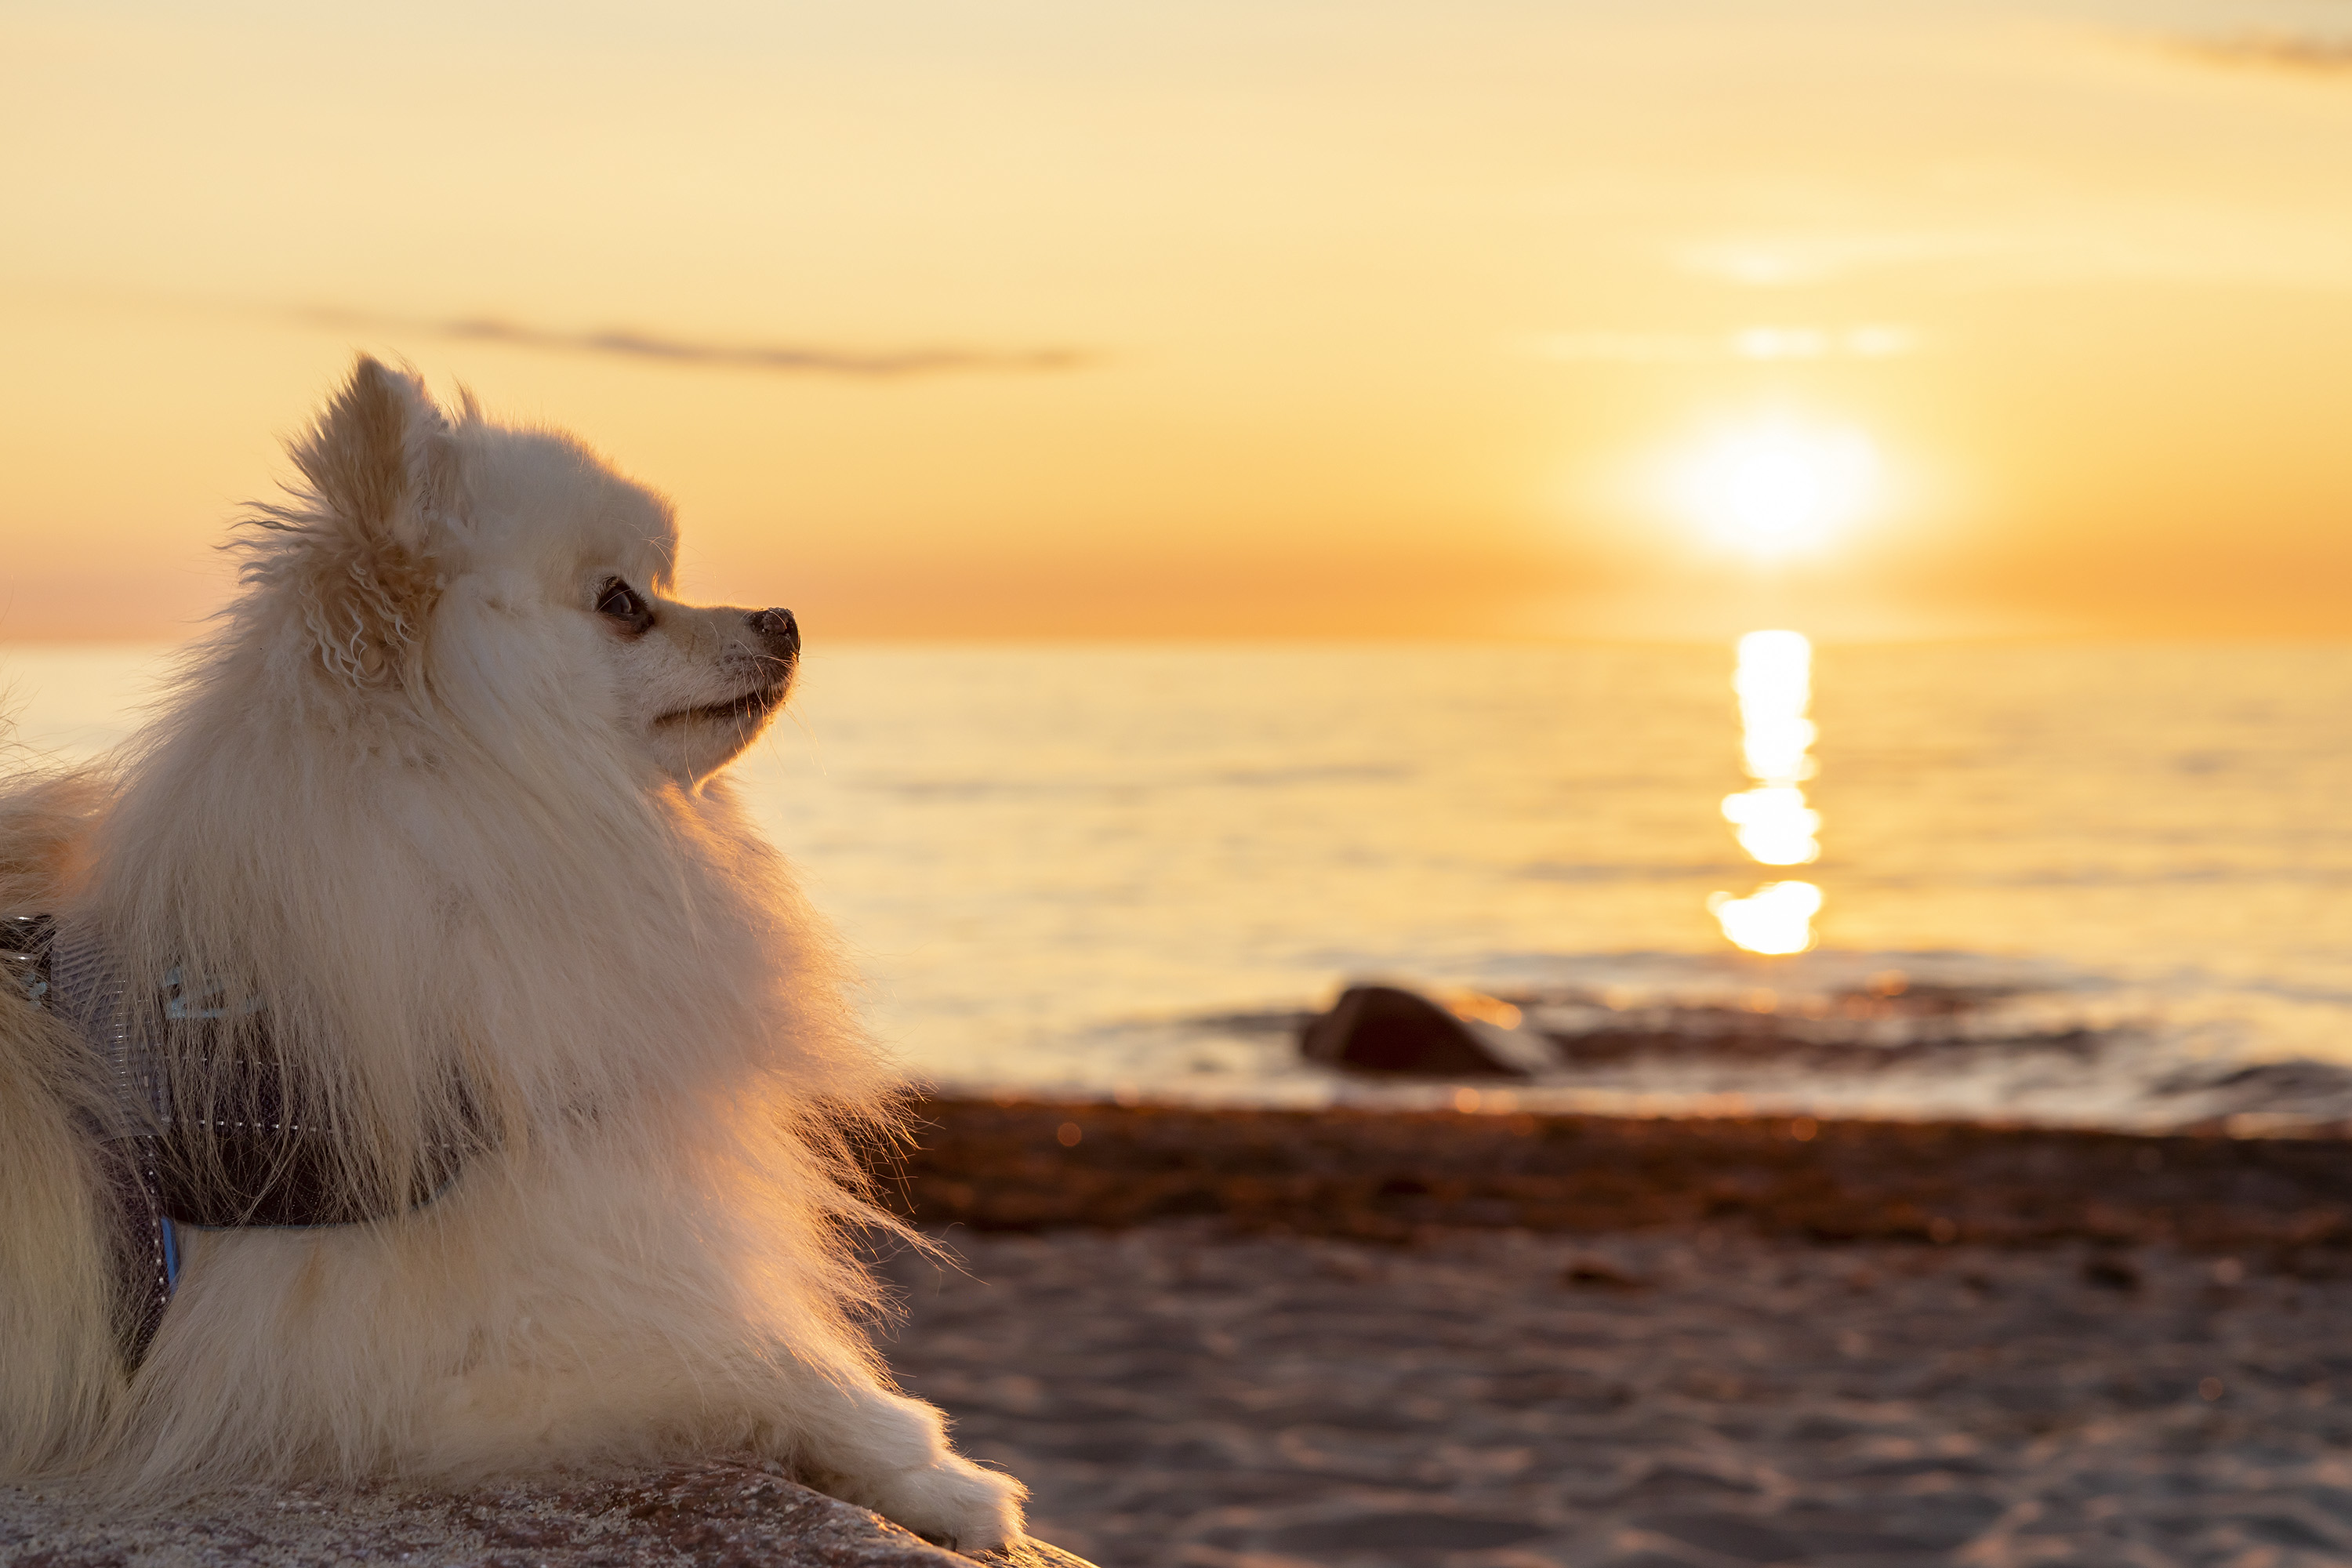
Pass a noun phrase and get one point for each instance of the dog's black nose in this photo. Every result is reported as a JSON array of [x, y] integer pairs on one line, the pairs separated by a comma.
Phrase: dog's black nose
[[778, 627]]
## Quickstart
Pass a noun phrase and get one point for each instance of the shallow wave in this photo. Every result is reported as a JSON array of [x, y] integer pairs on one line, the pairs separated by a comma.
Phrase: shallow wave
[[1891, 1034]]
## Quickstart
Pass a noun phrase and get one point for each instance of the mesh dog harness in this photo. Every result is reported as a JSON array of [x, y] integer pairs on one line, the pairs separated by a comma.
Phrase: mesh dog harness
[[241, 1160]]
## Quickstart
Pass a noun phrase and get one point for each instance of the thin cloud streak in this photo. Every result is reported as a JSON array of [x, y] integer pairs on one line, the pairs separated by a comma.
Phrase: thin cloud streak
[[2298, 54], [1870, 341], [788, 359]]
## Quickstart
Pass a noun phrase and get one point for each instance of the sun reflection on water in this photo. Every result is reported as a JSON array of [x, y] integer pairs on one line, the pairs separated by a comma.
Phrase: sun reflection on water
[[1776, 828], [1774, 823], [1776, 918], [1774, 681]]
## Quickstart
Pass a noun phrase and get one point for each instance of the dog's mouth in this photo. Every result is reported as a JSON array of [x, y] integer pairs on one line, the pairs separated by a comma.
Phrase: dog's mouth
[[750, 707]]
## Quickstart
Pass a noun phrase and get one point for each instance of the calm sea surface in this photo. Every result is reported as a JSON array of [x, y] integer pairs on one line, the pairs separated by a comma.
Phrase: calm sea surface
[[1125, 870]]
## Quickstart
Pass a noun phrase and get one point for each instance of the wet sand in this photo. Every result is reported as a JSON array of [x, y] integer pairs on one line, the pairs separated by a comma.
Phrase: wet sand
[[1257, 1340]]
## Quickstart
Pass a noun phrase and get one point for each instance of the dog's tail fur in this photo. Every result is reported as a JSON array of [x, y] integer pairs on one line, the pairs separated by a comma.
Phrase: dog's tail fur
[[59, 1373], [59, 1370]]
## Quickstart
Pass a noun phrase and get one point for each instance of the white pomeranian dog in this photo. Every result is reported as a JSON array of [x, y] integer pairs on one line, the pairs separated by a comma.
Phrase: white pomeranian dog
[[420, 1068]]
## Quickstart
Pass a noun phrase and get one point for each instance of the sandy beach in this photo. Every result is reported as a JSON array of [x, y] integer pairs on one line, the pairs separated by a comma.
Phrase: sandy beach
[[1706, 1396], [1229, 1339]]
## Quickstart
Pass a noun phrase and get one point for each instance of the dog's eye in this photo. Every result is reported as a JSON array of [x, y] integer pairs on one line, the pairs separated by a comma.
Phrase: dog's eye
[[620, 602]]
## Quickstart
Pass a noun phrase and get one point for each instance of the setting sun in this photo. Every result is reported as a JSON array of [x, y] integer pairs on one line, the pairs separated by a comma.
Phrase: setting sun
[[1777, 485]]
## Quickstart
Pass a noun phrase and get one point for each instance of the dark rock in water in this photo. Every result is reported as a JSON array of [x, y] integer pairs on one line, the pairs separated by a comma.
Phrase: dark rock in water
[[1385, 1028], [2111, 1272], [1589, 1271]]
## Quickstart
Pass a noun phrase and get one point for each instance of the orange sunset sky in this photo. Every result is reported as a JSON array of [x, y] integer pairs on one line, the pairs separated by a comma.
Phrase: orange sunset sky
[[1039, 318]]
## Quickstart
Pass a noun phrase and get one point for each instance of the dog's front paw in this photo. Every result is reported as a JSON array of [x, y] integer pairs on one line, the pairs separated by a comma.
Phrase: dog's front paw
[[952, 1502]]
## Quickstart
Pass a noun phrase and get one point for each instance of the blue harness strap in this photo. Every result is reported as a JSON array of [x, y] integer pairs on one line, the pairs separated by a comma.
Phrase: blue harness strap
[[146, 1253], [244, 1159]]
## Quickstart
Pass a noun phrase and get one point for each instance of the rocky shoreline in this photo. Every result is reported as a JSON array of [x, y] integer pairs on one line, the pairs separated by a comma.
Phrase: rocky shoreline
[[1388, 1175]]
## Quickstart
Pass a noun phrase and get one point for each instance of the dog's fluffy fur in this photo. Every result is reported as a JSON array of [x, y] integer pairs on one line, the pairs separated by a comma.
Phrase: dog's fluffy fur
[[457, 825]]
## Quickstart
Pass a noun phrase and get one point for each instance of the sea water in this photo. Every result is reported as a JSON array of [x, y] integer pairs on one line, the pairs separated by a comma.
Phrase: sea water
[[1129, 870]]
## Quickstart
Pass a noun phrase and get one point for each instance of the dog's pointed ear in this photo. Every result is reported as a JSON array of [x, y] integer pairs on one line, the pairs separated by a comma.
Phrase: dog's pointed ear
[[380, 457], [383, 487]]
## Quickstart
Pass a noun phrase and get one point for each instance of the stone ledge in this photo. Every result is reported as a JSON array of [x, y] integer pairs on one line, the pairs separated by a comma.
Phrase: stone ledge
[[711, 1515]]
